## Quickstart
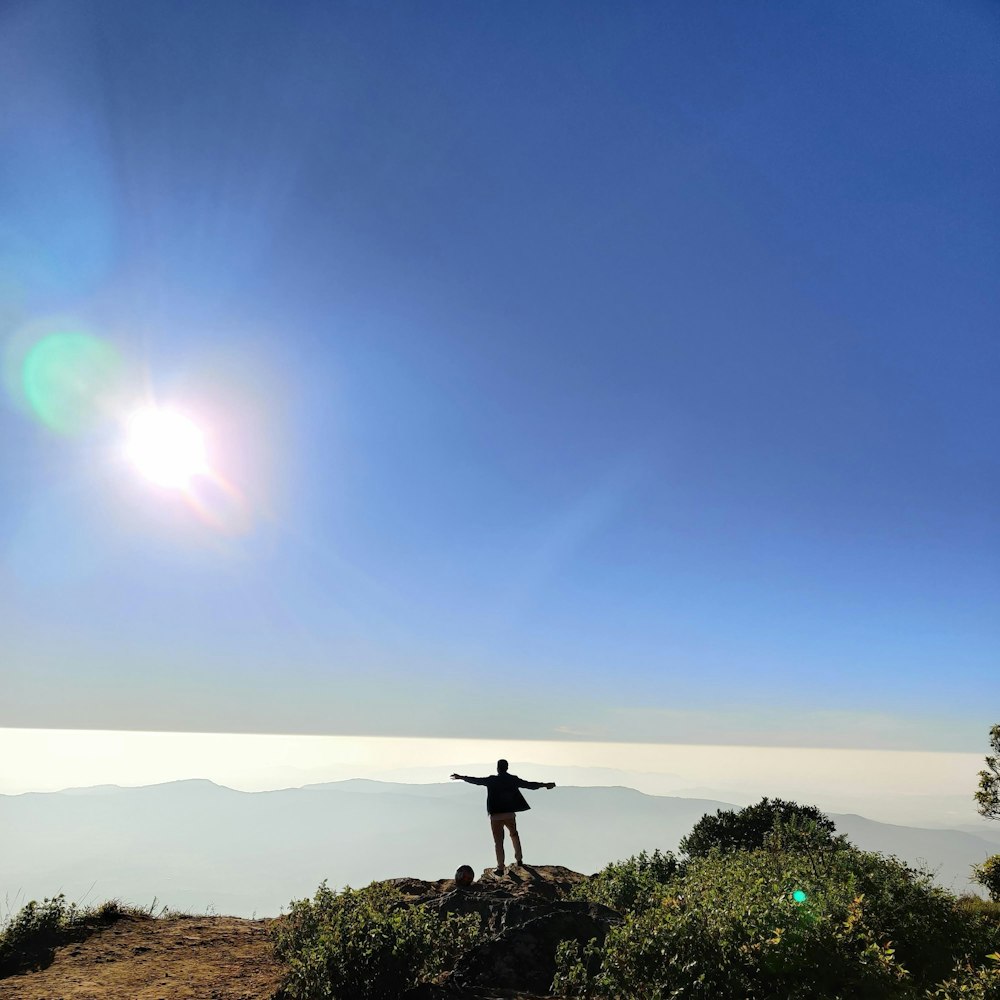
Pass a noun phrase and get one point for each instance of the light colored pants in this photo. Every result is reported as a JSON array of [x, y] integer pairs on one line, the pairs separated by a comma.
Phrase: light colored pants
[[509, 820]]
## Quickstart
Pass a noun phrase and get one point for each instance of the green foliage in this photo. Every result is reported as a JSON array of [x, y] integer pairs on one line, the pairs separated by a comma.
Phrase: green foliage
[[972, 982], [987, 911], [32, 935], [630, 884], [867, 928], [365, 943], [929, 930], [733, 929], [785, 823], [988, 796], [29, 938], [576, 971], [988, 876]]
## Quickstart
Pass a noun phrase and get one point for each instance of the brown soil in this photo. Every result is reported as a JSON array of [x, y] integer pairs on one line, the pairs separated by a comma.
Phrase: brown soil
[[169, 958]]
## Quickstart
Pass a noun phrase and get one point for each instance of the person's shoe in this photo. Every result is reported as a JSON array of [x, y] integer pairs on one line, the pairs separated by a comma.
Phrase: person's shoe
[[498, 870]]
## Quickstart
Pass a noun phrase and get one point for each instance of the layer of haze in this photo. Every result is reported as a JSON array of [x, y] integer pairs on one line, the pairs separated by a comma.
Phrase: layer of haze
[[592, 371], [917, 788]]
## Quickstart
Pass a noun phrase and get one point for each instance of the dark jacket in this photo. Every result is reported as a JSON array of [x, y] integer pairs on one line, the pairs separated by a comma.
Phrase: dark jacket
[[502, 792]]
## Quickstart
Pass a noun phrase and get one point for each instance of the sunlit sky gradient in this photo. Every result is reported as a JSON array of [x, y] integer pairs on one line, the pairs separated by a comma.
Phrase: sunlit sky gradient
[[593, 371]]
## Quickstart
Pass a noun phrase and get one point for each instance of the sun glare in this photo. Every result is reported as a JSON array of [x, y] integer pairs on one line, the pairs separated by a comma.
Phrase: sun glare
[[166, 447]]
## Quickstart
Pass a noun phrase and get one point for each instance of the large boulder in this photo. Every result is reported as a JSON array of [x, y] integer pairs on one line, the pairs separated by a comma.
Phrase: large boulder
[[535, 881], [523, 956], [525, 913]]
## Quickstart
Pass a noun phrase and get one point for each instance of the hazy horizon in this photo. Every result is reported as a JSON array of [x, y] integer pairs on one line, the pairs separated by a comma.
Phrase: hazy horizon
[[197, 844], [914, 788]]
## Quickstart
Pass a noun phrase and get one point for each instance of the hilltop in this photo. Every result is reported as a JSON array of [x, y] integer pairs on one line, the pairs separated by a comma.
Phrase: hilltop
[[719, 926], [184, 957], [768, 899], [170, 957]]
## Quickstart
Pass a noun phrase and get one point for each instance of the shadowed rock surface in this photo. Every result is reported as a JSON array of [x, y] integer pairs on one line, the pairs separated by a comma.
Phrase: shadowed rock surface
[[526, 913]]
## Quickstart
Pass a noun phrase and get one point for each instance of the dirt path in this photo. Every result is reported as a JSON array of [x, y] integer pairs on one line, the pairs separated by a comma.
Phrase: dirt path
[[170, 958]]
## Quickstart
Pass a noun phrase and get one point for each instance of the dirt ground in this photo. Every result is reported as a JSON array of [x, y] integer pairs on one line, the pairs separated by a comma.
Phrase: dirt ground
[[170, 958]]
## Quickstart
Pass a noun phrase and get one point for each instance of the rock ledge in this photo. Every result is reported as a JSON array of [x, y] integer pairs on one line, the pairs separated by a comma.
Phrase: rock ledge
[[525, 912]]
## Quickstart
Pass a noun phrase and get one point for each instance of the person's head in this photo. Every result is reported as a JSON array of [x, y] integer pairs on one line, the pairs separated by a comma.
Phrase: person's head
[[464, 875], [501, 767]]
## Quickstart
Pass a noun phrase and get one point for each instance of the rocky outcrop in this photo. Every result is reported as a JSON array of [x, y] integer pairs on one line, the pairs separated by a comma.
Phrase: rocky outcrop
[[542, 882], [523, 957], [526, 913]]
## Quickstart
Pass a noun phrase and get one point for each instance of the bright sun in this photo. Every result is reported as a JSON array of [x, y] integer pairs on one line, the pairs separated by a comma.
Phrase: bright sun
[[166, 447]]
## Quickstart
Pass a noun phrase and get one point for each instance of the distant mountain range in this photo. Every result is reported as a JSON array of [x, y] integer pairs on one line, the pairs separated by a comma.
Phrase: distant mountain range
[[198, 846], [934, 810]]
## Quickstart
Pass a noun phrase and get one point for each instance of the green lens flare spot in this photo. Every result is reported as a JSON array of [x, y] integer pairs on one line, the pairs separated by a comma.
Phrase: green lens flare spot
[[799, 896], [69, 380]]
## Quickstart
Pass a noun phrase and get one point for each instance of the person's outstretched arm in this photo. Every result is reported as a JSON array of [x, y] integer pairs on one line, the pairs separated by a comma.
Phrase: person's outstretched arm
[[470, 780], [521, 783]]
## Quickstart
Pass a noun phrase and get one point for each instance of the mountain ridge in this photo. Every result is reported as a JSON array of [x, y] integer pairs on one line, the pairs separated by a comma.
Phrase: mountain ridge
[[197, 844]]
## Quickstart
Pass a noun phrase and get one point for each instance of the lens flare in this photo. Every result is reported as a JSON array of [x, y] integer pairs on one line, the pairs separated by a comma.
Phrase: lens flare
[[166, 447], [799, 896], [219, 504], [70, 380]]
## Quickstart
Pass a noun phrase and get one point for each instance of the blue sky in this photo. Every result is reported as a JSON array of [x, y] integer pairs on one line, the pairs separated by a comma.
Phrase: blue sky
[[619, 371]]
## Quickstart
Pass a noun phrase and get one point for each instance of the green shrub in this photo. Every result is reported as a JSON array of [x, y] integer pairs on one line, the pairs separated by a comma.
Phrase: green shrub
[[988, 876], [972, 982], [365, 943], [784, 925], [29, 938], [629, 884], [929, 930], [576, 971], [785, 825], [985, 909], [733, 927]]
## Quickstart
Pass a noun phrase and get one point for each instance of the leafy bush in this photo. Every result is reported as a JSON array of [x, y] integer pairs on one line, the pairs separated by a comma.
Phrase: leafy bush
[[29, 938], [629, 884], [988, 876], [365, 943], [930, 931], [985, 909], [778, 925], [576, 971], [34, 933], [972, 982], [734, 928], [785, 824]]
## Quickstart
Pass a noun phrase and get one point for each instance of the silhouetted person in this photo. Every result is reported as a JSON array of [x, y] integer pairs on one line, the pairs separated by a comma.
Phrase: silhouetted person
[[503, 801]]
